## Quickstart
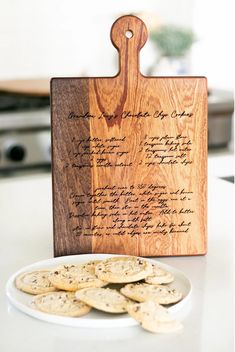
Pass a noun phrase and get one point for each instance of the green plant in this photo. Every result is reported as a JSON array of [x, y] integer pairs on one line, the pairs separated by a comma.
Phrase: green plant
[[172, 40]]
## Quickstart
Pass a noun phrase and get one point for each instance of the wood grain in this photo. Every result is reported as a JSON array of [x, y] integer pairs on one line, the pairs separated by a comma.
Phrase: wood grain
[[130, 108], [68, 94]]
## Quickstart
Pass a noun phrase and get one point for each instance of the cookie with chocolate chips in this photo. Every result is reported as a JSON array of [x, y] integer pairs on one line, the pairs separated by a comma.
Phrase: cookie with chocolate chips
[[105, 299], [71, 277], [34, 282], [123, 269], [159, 276], [60, 303], [153, 317], [142, 292]]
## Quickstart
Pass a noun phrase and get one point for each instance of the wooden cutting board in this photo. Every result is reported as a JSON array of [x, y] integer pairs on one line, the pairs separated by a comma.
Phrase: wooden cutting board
[[129, 158]]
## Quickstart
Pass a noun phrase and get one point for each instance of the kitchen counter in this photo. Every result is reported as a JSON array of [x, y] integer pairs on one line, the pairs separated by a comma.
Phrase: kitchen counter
[[26, 237]]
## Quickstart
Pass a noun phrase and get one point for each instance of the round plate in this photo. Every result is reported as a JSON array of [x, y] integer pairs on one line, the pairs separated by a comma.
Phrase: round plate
[[95, 318]]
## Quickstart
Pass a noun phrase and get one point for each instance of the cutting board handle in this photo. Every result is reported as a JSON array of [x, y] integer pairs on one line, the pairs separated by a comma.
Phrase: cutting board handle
[[128, 35]]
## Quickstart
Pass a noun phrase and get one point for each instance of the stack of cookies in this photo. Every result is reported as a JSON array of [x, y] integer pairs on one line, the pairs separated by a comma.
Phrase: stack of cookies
[[73, 290]]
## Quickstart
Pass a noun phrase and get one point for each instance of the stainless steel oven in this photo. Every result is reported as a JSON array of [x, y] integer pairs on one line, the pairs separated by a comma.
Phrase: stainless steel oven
[[25, 141]]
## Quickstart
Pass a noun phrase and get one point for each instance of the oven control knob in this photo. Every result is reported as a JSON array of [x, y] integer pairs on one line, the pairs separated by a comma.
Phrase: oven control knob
[[16, 153]]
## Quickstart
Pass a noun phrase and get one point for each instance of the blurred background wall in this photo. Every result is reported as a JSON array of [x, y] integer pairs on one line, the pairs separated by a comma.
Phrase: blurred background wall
[[69, 37]]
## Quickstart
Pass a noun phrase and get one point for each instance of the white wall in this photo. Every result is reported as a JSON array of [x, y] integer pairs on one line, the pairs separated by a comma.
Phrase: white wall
[[213, 54], [46, 38]]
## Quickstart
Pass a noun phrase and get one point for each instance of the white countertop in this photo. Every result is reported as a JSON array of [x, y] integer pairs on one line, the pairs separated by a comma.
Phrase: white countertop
[[221, 164], [26, 237]]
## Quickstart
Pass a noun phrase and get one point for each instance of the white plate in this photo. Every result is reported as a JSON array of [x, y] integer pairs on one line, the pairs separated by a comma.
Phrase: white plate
[[94, 319]]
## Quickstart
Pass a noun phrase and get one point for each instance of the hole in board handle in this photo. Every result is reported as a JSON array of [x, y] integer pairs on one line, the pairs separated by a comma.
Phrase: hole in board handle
[[129, 34]]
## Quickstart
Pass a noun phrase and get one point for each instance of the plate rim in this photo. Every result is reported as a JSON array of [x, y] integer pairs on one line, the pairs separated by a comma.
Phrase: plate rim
[[125, 321]]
